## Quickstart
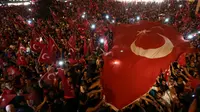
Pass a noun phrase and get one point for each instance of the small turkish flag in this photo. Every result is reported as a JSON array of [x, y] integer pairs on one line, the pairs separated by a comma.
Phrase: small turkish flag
[[13, 71], [140, 52], [36, 46], [44, 56], [52, 49], [49, 77], [182, 60], [21, 61]]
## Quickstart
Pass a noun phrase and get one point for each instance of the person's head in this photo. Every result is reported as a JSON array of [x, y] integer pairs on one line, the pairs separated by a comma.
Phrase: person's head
[[19, 92], [159, 94], [85, 74], [163, 82], [192, 64], [3, 86], [10, 108], [8, 85], [180, 80], [68, 74]]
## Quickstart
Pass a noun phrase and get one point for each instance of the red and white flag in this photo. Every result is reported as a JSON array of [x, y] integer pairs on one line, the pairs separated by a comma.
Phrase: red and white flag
[[36, 46], [140, 52], [21, 61], [45, 57], [13, 71], [49, 77]]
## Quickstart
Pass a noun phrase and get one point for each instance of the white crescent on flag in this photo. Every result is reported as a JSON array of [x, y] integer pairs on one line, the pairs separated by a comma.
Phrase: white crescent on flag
[[51, 74], [21, 58], [35, 47], [45, 56], [159, 52]]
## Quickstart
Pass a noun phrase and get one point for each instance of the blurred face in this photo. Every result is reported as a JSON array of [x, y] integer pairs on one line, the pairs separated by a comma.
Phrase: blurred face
[[3, 86], [51, 94], [8, 85], [85, 74], [158, 95], [198, 58], [68, 73], [192, 64], [20, 92], [180, 80], [163, 83]]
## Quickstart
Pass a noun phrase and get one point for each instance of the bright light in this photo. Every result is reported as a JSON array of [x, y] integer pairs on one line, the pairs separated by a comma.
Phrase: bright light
[[190, 36], [28, 49], [93, 26], [126, 9], [107, 16], [113, 21], [61, 63], [166, 20], [29, 21], [198, 32], [101, 40], [83, 16], [116, 62], [121, 51], [158, 1], [70, 3], [29, 9], [84, 13], [65, 0], [138, 18], [41, 39], [180, 5], [33, 19], [27, 3], [17, 4]]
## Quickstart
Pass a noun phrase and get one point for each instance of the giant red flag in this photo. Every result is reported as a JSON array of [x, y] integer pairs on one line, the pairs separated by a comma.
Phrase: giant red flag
[[139, 54]]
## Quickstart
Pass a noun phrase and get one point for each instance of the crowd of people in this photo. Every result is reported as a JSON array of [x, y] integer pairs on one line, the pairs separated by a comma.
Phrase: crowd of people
[[82, 31]]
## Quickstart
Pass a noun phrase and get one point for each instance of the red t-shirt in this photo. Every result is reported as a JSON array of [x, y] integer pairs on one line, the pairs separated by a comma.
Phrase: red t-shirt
[[8, 91], [68, 89]]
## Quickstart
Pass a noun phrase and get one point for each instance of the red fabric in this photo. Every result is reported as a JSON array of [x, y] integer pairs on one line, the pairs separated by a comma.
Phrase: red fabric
[[21, 61], [194, 82], [36, 46], [72, 42], [5, 99], [8, 91], [127, 75], [49, 77], [182, 60], [91, 45], [68, 89], [85, 48], [105, 44], [45, 57], [13, 71], [52, 49], [22, 48]]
